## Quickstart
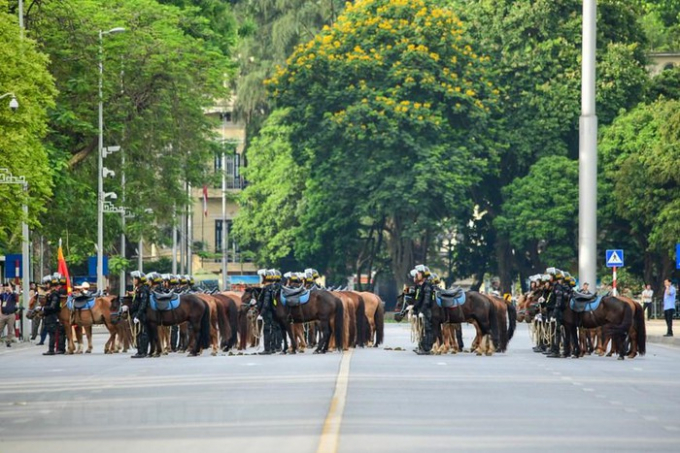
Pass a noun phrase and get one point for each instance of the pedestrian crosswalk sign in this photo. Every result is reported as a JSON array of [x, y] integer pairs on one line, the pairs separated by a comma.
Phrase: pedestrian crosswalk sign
[[614, 258]]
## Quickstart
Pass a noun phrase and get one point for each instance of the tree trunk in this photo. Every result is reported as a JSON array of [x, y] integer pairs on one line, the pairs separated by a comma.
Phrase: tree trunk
[[504, 260], [401, 250]]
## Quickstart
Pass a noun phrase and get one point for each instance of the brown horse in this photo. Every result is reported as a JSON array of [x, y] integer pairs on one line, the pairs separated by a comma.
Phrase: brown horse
[[245, 330], [375, 315], [227, 313], [322, 306], [192, 310], [615, 315], [99, 313], [73, 335]]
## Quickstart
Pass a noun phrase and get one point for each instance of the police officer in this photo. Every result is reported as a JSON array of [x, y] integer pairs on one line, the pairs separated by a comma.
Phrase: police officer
[[423, 306], [266, 310], [556, 311], [140, 303], [54, 328]]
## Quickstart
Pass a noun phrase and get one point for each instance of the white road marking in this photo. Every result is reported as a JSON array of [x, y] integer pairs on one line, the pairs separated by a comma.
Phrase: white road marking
[[330, 434], [650, 418], [587, 389]]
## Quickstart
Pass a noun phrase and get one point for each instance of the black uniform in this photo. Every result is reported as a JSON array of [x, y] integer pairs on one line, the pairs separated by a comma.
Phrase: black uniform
[[140, 303], [52, 325], [556, 310], [267, 306], [423, 304]]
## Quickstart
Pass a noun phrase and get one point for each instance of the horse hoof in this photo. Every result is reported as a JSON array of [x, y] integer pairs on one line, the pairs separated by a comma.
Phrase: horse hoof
[[88, 352]]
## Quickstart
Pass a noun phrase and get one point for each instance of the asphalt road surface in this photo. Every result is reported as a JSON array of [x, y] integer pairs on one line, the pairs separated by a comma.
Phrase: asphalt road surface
[[369, 400]]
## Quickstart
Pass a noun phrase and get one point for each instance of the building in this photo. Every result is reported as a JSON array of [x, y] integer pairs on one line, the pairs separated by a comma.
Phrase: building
[[662, 61]]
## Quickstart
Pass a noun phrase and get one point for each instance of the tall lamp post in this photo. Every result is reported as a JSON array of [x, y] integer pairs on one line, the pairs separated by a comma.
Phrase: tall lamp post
[[100, 172], [587, 216]]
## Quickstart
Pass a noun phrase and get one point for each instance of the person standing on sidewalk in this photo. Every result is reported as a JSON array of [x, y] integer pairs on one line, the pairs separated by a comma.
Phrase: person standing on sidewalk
[[646, 297], [8, 302], [669, 306]]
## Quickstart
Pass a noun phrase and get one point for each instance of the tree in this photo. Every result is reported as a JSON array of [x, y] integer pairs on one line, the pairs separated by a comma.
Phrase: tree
[[160, 76], [540, 214], [388, 108], [535, 47], [22, 151], [270, 204], [639, 152]]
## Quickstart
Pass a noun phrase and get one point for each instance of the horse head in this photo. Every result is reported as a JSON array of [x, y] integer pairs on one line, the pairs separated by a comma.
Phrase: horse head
[[250, 296], [34, 304], [407, 302]]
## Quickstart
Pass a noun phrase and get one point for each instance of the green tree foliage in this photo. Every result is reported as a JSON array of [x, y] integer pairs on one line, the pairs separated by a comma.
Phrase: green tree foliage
[[267, 221], [23, 71], [160, 76], [535, 48], [540, 214], [388, 109], [639, 153], [271, 30]]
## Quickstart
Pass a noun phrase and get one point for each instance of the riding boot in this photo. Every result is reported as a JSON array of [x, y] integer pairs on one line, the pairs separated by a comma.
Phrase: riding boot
[[267, 339], [61, 343], [142, 345], [50, 343]]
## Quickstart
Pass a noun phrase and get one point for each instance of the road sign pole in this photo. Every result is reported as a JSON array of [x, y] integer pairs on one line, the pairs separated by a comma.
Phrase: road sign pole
[[614, 282]]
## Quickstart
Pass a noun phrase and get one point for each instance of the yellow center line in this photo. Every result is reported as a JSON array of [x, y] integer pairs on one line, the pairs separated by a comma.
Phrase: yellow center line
[[330, 434]]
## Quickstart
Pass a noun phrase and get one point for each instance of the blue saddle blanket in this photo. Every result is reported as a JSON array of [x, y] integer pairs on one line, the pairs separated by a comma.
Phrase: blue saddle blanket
[[164, 304], [80, 303], [449, 302], [295, 299], [580, 307]]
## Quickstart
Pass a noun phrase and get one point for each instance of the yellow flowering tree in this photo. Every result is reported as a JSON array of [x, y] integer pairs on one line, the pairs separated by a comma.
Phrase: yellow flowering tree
[[389, 111]]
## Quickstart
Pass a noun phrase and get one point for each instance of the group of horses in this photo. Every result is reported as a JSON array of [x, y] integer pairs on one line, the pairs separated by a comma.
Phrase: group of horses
[[591, 327], [493, 317], [224, 321]]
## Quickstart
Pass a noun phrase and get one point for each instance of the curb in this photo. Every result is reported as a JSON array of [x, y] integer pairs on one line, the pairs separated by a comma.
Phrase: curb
[[668, 341]]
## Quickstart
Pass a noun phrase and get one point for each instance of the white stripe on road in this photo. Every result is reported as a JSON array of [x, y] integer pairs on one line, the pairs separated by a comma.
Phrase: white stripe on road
[[330, 433]]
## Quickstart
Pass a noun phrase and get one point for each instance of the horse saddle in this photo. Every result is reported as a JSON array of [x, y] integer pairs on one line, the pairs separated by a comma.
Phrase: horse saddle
[[581, 303], [293, 297], [85, 302], [163, 301], [449, 298]]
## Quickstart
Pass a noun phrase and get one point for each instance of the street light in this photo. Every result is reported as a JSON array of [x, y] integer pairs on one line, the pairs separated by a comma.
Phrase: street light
[[13, 103], [100, 168]]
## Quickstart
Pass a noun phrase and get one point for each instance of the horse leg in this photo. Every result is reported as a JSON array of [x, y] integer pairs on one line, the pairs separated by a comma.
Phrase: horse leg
[[325, 337]]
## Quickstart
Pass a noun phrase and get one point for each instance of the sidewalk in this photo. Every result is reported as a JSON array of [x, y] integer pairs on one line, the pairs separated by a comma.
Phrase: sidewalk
[[18, 345], [656, 329]]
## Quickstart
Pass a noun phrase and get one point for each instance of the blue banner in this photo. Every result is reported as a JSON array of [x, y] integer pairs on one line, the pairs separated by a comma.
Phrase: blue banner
[[92, 266]]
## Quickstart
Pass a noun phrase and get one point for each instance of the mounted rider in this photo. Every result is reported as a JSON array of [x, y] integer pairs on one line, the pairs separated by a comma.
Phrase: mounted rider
[[140, 303], [54, 328], [423, 306]]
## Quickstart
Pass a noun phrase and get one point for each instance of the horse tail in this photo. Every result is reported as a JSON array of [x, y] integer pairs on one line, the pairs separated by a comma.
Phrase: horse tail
[[339, 323], [204, 333], [641, 330], [361, 323], [512, 320], [379, 323], [232, 313], [626, 321]]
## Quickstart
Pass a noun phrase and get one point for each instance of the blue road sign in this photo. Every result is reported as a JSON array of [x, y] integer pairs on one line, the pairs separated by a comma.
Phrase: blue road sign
[[13, 266], [677, 256], [614, 258], [92, 266]]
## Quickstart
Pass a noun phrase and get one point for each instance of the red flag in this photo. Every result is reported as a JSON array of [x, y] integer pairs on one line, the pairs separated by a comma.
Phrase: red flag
[[62, 269], [205, 200]]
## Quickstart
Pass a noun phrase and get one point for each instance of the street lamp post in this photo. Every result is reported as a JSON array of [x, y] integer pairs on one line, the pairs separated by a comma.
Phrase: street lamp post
[[587, 217], [100, 172]]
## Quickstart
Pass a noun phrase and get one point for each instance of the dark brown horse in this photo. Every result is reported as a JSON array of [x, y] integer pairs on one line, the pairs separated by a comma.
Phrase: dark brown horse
[[192, 310], [322, 306]]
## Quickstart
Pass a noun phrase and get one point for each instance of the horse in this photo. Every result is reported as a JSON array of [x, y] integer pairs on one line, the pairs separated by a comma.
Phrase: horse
[[637, 333], [613, 314], [190, 309], [227, 313], [375, 315], [507, 321], [321, 306], [97, 310], [244, 329]]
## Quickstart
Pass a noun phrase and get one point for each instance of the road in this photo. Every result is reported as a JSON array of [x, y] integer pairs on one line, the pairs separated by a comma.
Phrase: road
[[371, 400]]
